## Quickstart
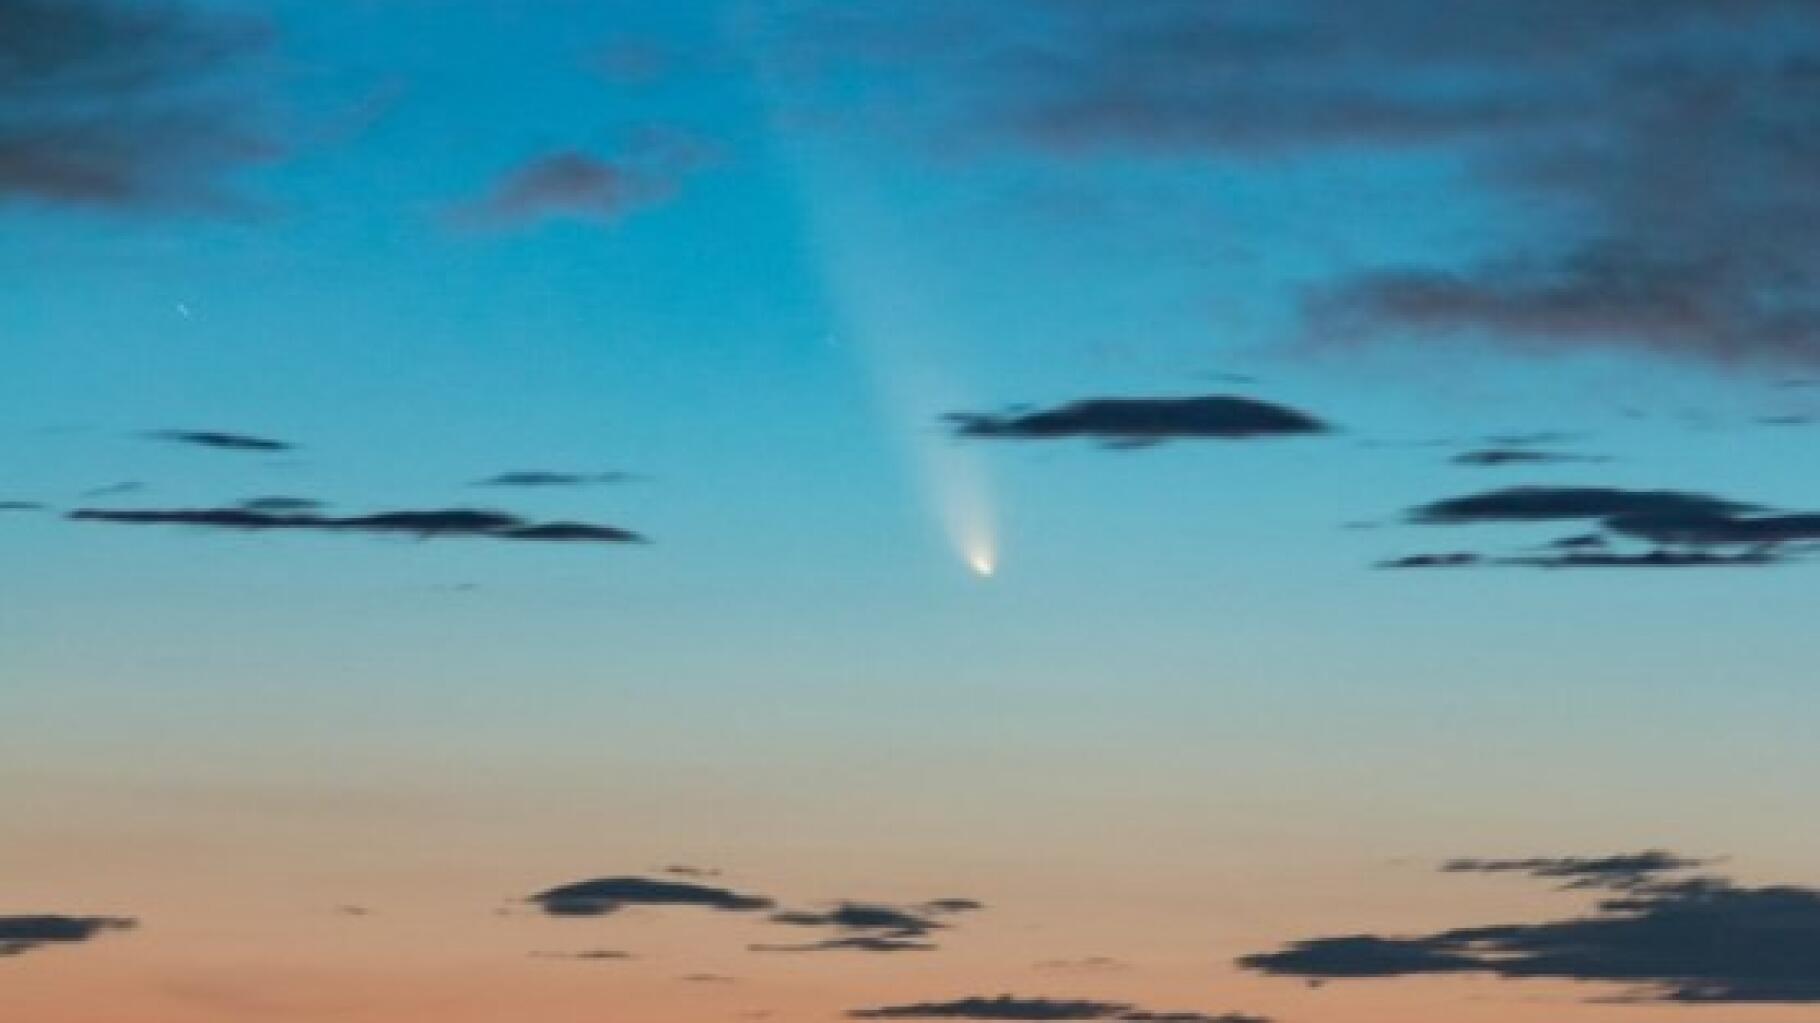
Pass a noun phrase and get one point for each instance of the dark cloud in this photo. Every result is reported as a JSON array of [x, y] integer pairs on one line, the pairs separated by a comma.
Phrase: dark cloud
[[115, 489], [1691, 940], [859, 916], [952, 906], [21, 934], [1489, 457], [1012, 1007], [223, 441], [595, 954], [455, 522], [852, 943], [870, 927], [685, 870], [1452, 559], [281, 504], [603, 896], [124, 105], [1139, 421], [20, 506], [1543, 504], [575, 185], [1085, 964], [552, 479], [1656, 157], [1622, 871], [1679, 529]]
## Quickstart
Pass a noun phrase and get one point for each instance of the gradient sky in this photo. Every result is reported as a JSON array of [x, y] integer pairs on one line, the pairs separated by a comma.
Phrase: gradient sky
[[1388, 425]]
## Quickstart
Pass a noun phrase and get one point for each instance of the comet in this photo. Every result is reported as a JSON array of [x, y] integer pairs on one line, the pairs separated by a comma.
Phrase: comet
[[982, 563]]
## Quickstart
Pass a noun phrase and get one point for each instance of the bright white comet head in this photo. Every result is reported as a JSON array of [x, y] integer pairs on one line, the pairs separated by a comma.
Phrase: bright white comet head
[[982, 562]]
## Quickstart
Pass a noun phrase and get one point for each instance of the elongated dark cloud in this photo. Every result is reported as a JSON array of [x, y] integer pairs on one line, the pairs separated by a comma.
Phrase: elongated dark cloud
[[1627, 870], [1679, 529], [577, 185], [223, 441], [1140, 421], [1649, 162], [1676, 939], [454, 522], [593, 954], [281, 504], [20, 506], [607, 895], [1491, 457], [1542, 504], [21, 934], [1012, 1007], [123, 105], [552, 479]]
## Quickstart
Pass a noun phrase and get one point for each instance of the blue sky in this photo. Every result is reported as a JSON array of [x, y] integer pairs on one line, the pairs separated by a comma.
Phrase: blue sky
[[752, 255]]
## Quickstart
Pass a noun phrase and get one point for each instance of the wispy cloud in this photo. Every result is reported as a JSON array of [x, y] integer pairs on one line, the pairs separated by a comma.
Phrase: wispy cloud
[[120, 105]]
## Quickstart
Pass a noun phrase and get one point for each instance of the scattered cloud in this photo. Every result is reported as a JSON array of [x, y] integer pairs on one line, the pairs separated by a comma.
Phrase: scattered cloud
[[119, 105], [1696, 939], [22, 934], [455, 522], [1012, 1007], [1491, 457], [574, 185], [870, 927], [1654, 158], [607, 895], [1135, 422], [1085, 964], [223, 441], [1679, 529], [281, 504], [552, 479]]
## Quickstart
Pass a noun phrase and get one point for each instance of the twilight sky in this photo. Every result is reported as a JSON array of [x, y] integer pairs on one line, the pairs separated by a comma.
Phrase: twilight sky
[[1192, 511]]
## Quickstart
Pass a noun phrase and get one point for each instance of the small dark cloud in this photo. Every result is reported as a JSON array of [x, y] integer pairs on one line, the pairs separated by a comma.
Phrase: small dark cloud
[[1676, 529], [115, 489], [576, 185], [124, 105], [1085, 964], [1622, 871], [685, 870], [1696, 939], [552, 479], [22, 934], [872, 927], [223, 441], [281, 504], [1518, 456], [1013, 1007], [607, 895], [707, 978], [1452, 559], [859, 916], [1132, 422], [454, 522], [20, 506], [952, 906], [851, 943], [1543, 504], [593, 954], [1787, 420]]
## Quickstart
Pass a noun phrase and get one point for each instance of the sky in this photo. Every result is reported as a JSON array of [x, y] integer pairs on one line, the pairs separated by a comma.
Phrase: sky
[[1191, 511]]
